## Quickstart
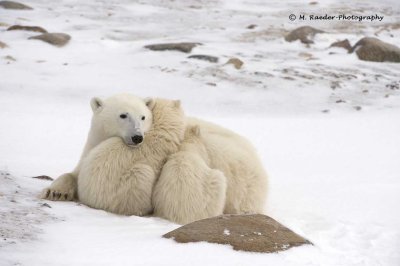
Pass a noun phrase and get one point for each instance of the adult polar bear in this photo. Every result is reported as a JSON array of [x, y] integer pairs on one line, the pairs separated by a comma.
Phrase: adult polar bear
[[235, 167]]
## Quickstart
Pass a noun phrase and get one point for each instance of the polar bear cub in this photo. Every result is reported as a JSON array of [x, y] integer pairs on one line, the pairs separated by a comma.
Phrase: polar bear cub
[[188, 189]]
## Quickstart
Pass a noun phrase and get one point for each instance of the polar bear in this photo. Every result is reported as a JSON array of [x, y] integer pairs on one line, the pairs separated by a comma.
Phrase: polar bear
[[215, 171], [127, 118], [188, 189], [118, 178]]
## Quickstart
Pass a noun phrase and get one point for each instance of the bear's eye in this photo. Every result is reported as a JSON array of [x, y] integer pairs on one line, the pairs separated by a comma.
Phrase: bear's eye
[[123, 116], [143, 117]]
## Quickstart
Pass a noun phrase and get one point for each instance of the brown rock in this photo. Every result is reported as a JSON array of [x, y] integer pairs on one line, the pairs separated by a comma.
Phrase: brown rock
[[236, 62], [57, 39], [3, 45], [43, 177], [28, 28], [9, 58], [185, 47], [209, 58], [373, 49], [252, 26], [343, 44], [256, 233], [2, 24], [303, 34], [14, 5]]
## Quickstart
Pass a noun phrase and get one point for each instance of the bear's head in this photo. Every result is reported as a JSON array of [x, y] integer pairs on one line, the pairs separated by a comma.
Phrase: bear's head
[[124, 115]]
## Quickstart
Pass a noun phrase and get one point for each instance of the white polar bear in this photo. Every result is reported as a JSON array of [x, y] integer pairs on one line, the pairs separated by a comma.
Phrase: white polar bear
[[216, 171], [120, 179], [124, 116]]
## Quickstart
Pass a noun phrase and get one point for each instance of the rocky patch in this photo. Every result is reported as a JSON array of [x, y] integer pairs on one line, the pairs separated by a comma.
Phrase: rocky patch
[[212, 59], [27, 28], [3, 45], [236, 62], [56, 39], [304, 34], [185, 47], [14, 5], [345, 44], [256, 233], [373, 49]]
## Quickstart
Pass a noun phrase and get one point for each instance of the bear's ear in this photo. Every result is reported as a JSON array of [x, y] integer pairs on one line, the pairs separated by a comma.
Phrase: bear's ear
[[195, 130], [97, 104], [150, 102], [177, 103]]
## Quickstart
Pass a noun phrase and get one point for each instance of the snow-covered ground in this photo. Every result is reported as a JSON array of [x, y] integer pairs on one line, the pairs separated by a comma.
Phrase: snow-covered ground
[[334, 169]]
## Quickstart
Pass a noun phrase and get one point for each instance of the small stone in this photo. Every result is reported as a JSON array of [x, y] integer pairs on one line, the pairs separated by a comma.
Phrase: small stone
[[10, 58], [185, 47], [43, 177], [358, 108], [254, 233], [342, 44], [365, 91], [340, 101], [303, 34], [27, 28], [208, 58], [14, 5], [313, 3], [3, 45], [211, 84], [236, 62], [252, 26], [373, 49], [306, 56], [57, 39], [46, 205], [325, 111], [2, 24]]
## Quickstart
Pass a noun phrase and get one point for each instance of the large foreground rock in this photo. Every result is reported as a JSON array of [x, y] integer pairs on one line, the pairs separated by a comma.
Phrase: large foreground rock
[[373, 49], [256, 232], [14, 5], [304, 34], [185, 47], [57, 39]]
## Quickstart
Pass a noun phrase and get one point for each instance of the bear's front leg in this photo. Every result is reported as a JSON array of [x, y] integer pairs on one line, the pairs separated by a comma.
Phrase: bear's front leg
[[64, 188], [188, 190]]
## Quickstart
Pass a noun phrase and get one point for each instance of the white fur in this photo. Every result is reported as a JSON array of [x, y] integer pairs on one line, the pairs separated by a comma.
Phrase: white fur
[[190, 183]]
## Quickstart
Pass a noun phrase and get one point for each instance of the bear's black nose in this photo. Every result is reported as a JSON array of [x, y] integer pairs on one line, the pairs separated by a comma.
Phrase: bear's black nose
[[137, 139]]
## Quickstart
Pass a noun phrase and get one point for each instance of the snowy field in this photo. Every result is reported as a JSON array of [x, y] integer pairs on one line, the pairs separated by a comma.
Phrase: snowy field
[[326, 125]]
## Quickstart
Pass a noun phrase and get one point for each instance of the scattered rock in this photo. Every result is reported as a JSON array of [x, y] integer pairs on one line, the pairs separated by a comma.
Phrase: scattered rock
[[343, 44], [185, 47], [28, 28], [236, 62], [306, 56], [256, 233], [252, 26], [211, 84], [3, 45], [57, 39], [313, 3], [10, 58], [2, 24], [46, 205], [209, 58], [325, 111], [303, 34], [14, 5], [373, 49], [340, 101], [358, 108], [43, 177]]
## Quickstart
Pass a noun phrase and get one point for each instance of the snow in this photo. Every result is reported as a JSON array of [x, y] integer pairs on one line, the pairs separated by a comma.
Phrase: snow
[[334, 175]]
